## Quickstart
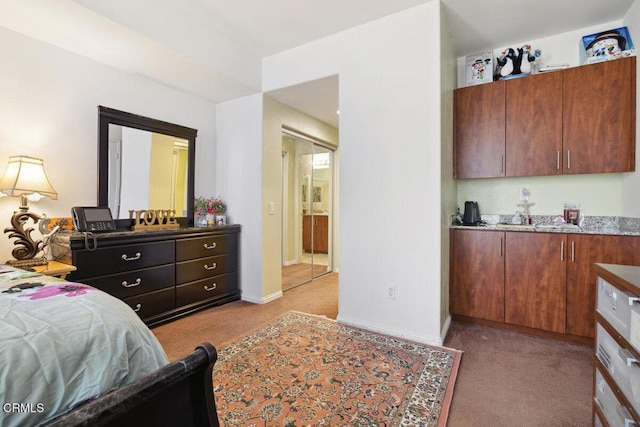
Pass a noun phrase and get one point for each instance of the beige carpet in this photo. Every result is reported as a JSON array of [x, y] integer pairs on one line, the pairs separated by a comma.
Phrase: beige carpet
[[219, 325], [297, 274], [505, 378]]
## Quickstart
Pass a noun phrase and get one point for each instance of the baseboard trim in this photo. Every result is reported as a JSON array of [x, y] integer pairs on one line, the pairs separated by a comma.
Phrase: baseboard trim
[[264, 299], [437, 341], [445, 328]]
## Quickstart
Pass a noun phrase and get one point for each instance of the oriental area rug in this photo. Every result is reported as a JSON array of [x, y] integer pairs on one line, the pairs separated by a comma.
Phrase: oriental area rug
[[307, 370]]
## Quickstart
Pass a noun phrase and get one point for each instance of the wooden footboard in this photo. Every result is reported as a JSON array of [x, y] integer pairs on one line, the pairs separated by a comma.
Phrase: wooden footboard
[[178, 394]]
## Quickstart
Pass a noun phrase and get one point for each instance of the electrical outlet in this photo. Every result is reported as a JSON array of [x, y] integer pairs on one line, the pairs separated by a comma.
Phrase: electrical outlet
[[391, 292]]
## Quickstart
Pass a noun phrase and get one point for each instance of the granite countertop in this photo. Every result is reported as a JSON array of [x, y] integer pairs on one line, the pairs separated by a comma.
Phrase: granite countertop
[[608, 225]]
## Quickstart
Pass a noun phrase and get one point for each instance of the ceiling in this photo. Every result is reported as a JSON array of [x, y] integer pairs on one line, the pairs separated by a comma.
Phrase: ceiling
[[214, 48]]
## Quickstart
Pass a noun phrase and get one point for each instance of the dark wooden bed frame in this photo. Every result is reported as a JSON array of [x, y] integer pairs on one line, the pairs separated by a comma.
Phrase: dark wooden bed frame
[[178, 394]]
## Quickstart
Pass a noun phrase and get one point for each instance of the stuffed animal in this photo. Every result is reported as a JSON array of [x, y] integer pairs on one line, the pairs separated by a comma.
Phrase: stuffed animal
[[515, 62]]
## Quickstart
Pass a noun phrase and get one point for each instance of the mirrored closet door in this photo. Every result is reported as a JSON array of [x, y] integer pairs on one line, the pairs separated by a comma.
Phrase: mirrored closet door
[[307, 184]]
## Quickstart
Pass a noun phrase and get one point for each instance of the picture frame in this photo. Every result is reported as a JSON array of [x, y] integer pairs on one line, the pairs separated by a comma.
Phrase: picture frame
[[479, 68]]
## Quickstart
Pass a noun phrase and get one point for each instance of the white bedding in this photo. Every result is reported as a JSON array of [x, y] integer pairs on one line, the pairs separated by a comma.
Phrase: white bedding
[[62, 343]]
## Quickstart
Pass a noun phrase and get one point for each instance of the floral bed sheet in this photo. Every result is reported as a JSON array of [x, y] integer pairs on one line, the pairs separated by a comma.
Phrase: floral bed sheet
[[63, 343]]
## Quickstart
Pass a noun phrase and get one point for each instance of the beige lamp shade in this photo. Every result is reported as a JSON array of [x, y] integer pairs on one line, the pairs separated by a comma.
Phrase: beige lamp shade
[[25, 176]]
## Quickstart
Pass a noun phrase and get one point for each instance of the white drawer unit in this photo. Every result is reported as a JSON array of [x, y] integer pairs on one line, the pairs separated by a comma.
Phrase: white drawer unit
[[615, 413], [621, 309], [621, 364], [616, 400]]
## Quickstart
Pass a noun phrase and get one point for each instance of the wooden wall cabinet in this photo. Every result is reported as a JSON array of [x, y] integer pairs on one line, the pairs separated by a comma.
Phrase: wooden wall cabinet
[[478, 131], [573, 121], [315, 234], [477, 295], [534, 125], [599, 111]]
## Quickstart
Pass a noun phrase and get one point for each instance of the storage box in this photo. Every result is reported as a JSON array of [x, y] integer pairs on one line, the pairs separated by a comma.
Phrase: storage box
[[479, 68], [606, 45]]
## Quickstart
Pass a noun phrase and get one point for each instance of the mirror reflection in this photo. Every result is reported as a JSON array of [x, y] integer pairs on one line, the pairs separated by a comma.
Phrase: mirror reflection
[[145, 164], [154, 167]]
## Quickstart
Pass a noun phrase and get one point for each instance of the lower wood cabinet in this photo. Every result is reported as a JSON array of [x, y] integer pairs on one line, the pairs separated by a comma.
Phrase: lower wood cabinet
[[533, 280], [162, 274], [315, 234], [477, 295], [586, 251]]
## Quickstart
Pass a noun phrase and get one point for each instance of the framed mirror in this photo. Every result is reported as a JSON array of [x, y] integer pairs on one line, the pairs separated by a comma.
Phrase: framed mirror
[[144, 163]]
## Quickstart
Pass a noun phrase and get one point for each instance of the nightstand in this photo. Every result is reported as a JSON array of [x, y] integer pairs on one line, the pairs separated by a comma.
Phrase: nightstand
[[55, 268]]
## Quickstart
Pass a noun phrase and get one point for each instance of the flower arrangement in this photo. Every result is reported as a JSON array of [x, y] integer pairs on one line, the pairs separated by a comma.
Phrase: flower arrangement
[[209, 206]]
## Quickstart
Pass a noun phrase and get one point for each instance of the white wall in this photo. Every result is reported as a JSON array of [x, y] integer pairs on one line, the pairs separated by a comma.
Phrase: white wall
[[390, 118], [448, 192], [238, 168], [48, 109], [631, 182], [597, 194]]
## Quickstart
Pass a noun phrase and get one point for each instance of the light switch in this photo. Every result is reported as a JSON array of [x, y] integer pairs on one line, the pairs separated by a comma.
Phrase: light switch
[[272, 208]]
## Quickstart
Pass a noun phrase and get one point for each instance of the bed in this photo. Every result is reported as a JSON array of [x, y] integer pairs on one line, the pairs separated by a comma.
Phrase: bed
[[73, 355]]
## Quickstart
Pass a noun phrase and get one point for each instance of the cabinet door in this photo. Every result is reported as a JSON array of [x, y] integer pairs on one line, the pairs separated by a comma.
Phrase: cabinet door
[[479, 131], [306, 233], [321, 234], [599, 117], [586, 250], [535, 280], [477, 274], [534, 125]]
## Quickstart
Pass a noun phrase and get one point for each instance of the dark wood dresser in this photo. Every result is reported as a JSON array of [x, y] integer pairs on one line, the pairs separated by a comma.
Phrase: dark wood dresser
[[161, 274]]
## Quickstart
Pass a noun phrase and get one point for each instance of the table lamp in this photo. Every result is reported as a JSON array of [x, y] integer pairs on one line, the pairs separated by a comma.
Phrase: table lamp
[[25, 177]]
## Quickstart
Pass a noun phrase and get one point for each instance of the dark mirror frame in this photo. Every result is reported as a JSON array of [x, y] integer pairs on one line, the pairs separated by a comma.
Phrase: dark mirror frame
[[108, 116]]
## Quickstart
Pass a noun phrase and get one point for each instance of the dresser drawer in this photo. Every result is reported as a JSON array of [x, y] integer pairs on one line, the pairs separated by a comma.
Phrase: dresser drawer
[[117, 259], [615, 414], [199, 247], [188, 271], [203, 290], [621, 309], [153, 303], [618, 362], [135, 282]]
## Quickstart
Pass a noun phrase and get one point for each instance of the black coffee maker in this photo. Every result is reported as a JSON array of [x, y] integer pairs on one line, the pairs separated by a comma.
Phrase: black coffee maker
[[471, 214]]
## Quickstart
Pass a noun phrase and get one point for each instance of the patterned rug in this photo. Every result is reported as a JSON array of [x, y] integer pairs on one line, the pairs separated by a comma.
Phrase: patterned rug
[[306, 370]]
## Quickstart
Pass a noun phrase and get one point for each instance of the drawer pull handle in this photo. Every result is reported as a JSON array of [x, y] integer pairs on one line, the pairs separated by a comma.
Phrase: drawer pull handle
[[633, 300], [133, 258], [131, 285], [210, 288], [626, 355], [212, 267], [210, 246], [138, 307], [625, 415]]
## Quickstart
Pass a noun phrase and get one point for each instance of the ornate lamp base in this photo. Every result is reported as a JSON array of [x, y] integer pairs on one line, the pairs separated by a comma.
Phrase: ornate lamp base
[[26, 248]]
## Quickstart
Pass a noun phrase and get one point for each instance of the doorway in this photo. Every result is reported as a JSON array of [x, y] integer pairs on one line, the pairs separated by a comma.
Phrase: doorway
[[308, 206]]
